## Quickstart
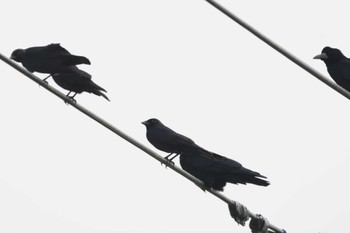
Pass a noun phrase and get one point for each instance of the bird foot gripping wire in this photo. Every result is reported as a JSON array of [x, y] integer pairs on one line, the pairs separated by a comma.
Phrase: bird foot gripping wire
[[169, 160], [167, 163], [203, 188], [239, 213], [44, 80], [72, 100]]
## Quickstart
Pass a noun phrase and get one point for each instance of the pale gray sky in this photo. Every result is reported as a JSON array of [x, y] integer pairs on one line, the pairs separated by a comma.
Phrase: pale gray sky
[[203, 75]]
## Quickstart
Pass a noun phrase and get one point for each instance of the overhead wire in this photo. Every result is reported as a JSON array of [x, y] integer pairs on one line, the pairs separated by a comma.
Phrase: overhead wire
[[129, 139], [281, 50]]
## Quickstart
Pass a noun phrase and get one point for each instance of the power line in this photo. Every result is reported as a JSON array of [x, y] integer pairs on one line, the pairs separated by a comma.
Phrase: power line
[[281, 50], [232, 204]]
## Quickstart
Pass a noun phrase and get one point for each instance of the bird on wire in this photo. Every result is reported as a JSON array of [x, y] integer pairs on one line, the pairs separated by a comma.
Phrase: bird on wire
[[167, 140], [75, 80], [216, 173], [338, 66], [47, 59]]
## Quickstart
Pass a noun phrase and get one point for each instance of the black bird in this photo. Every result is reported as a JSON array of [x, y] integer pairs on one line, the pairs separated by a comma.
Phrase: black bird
[[216, 173], [338, 66], [167, 140], [47, 59], [75, 80]]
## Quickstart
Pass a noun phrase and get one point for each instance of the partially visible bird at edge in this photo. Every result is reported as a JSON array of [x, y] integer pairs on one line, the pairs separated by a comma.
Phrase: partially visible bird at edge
[[338, 66]]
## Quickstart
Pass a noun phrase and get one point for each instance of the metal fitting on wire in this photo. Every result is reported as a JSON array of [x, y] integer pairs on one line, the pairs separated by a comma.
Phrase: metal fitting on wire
[[259, 224], [239, 213]]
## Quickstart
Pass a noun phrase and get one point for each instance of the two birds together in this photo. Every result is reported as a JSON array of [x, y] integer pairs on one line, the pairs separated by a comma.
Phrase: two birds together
[[213, 169], [55, 60]]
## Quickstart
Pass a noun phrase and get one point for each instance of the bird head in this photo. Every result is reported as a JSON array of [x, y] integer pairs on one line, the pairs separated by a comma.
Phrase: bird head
[[18, 55], [151, 122], [330, 55]]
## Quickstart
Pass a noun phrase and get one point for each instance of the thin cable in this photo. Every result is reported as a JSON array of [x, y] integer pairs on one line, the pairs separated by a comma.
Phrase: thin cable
[[109, 126], [281, 50]]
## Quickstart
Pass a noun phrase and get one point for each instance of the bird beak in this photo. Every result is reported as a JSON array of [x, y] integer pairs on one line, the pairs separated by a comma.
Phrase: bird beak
[[145, 122], [321, 56]]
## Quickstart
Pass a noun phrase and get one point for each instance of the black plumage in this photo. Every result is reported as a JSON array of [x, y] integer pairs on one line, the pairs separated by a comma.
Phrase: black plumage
[[75, 80], [47, 59], [167, 140], [216, 173], [338, 66]]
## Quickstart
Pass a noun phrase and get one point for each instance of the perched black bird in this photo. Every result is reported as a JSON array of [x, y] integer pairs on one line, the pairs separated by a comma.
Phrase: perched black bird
[[47, 59], [216, 173], [75, 80], [338, 66], [167, 140]]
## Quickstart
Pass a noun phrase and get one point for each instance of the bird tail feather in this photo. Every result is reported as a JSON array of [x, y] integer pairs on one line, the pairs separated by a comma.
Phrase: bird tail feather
[[104, 96], [258, 181], [99, 93], [249, 179], [71, 60]]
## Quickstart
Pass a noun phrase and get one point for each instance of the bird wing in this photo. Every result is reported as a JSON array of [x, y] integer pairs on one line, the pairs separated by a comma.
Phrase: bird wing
[[182, 140], [169, 136], [341, 69], [83, 73], [75, 70], [219, 164], [183, 143], [57, 48]]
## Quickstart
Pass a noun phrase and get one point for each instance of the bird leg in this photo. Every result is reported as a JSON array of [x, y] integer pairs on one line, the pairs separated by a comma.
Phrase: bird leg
[[200, 186], [74, 95], [167, 157], [169, 160], [47, 78], [71, 97]]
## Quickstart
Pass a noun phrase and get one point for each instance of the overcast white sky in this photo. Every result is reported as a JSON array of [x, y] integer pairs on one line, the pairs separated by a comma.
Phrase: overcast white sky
[[203, 75]]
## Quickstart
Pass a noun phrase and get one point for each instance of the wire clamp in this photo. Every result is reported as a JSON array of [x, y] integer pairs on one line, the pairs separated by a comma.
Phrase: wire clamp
[[259, 224], [239, 213]]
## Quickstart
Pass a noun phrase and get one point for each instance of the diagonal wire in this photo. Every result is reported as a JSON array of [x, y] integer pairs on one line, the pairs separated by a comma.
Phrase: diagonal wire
[[139, 145], [281, 50]]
